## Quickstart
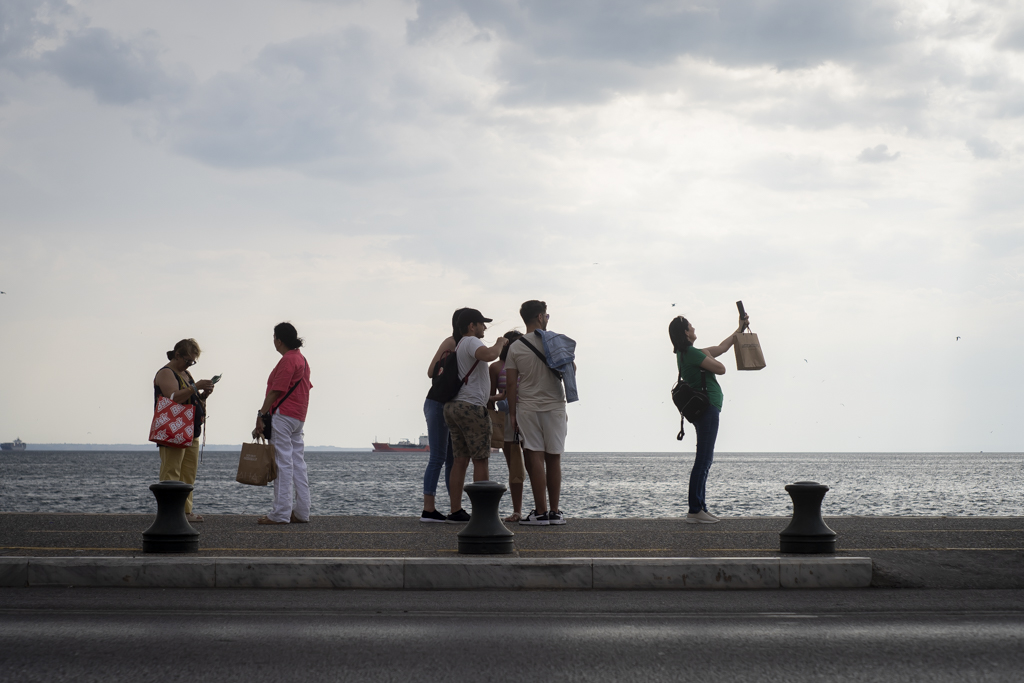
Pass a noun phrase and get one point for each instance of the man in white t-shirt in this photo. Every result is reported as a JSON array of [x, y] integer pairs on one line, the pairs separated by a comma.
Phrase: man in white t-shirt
[[466, 415], [536, 404]]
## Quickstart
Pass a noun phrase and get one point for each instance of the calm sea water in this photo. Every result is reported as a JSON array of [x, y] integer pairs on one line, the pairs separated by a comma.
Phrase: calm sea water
[[594, 484]]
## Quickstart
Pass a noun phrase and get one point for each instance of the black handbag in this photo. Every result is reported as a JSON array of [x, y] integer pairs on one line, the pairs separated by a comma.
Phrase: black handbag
[[691, 403], [268, 419]]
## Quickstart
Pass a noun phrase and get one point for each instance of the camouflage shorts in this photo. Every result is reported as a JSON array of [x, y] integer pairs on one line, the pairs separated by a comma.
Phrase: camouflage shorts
[[470, 427]]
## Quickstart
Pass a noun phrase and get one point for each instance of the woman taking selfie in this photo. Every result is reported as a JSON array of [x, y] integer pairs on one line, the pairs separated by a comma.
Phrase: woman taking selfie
[[693, 363]]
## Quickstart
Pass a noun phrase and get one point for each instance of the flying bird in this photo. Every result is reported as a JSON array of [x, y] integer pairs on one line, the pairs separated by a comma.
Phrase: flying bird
[[805, 360], [673, 305], [958, 338]]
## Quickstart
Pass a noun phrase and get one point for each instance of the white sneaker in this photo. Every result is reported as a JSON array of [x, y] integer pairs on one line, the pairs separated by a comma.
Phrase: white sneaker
[[701, 518]]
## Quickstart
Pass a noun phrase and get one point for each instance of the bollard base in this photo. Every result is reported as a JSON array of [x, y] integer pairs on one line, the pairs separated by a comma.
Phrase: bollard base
[[486, 546], [171, 545], [808, 546]]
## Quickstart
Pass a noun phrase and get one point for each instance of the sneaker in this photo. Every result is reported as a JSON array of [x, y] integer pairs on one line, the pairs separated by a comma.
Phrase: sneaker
[[460, 517], [533, 519], [433, 516], [556, 517], [700, 518]]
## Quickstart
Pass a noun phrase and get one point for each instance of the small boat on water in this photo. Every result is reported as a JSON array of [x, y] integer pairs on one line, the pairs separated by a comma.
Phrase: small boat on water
[[403, 446], [16, 445]]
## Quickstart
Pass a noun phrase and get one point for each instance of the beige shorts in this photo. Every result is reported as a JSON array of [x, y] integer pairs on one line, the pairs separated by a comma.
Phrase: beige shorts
[[470, 429], [543, 430]]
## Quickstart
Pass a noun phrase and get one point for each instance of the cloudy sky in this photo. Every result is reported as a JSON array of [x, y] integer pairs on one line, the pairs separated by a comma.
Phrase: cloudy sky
[[851, 170]]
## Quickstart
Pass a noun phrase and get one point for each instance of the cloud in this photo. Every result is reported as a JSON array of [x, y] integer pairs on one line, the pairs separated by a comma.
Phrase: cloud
[[22, 24], [1012, 37], [983, 148], [117, 71], [877, 155], [306, 101], [547, 44]]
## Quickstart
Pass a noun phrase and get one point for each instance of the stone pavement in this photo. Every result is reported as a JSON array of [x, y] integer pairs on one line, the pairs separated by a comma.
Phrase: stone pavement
[[925, 552]]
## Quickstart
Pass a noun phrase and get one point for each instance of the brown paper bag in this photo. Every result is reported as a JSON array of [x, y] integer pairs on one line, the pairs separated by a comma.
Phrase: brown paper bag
[[256, 464], [497, 428], [748, 352]]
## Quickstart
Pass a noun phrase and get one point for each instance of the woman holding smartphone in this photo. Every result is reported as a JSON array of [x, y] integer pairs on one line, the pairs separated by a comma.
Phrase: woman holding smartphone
[[694, 366], [176, 383]]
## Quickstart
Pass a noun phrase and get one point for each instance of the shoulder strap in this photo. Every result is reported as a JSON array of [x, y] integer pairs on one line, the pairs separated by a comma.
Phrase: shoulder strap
[[304, 366], [465, 380], [534, 349]]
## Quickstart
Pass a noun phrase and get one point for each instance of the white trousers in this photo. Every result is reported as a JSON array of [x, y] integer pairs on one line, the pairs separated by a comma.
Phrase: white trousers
[[292, 482]]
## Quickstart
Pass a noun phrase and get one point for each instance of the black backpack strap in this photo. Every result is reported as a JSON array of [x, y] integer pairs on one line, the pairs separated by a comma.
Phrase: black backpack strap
[[542, 357]]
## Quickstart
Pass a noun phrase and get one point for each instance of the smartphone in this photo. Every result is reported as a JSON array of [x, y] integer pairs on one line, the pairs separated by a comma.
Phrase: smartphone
[[215, 379], [739, 307]]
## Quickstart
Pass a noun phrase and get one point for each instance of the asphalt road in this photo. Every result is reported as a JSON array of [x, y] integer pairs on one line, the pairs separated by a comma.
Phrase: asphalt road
[[253, 636]]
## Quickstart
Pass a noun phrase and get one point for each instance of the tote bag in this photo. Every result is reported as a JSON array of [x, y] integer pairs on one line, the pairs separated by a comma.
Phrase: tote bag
[[173, 424]]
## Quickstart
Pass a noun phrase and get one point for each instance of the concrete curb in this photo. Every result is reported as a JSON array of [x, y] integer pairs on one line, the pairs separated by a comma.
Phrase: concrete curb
[[475, 573]]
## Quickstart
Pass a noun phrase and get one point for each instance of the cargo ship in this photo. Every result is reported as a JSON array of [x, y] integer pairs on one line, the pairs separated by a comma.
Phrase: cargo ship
[[16, 445], [403, 446]]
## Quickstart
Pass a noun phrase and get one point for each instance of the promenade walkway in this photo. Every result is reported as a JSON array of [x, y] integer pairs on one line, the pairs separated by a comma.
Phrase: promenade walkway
[[933, 552]]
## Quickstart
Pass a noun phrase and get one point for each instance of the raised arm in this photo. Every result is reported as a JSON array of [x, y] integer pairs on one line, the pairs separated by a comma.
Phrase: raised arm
[[489, 353], [716, 351]]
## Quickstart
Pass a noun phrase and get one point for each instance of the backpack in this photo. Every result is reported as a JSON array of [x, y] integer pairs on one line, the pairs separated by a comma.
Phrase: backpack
[[691, 403], [445, 383]]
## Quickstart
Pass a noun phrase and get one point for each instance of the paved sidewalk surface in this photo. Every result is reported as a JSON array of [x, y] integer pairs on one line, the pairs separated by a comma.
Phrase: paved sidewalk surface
[[932, 552]]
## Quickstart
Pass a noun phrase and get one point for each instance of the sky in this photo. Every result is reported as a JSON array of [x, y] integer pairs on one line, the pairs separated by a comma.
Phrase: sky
[[851, 171]]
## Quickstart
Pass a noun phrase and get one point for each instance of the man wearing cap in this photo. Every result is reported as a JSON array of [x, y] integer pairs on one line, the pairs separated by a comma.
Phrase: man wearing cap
[[466, 415]]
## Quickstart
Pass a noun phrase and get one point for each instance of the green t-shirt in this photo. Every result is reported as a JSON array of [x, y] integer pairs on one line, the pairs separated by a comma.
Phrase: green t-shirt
[[689, 365]]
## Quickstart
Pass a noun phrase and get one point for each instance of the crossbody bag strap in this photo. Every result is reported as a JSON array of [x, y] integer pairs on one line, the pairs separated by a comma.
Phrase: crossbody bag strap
[[305, 365]]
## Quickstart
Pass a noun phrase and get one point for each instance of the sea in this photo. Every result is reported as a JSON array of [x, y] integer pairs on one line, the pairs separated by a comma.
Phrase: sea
[[597, 485]]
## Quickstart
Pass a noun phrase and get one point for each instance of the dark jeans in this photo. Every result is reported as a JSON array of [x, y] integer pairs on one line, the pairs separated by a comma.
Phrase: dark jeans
[[707, 432], [440, 447]]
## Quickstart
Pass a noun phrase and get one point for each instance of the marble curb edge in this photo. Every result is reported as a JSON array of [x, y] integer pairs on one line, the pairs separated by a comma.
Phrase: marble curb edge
[[462, 573]]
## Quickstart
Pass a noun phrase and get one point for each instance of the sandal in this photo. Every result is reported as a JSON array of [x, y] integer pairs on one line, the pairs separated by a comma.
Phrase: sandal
[[194, 518], [514, 517], [266, 520]]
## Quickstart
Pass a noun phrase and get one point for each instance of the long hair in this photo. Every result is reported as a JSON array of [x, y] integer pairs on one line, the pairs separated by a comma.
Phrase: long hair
[[511, 335], [677, 333], [456, 332]]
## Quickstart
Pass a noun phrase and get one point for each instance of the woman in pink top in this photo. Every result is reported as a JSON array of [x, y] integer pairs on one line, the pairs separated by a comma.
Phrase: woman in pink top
[[285, 407]]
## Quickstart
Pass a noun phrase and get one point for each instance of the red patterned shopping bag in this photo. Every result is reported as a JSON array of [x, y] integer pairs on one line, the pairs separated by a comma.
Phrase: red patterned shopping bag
[[173, 424]]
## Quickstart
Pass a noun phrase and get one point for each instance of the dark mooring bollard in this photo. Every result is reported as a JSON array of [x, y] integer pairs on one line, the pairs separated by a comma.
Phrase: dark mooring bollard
[[485, 534], [171, 532], [807, 532]]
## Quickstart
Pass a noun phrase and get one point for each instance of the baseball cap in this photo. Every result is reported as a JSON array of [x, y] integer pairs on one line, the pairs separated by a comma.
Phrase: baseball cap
[[471, 315]]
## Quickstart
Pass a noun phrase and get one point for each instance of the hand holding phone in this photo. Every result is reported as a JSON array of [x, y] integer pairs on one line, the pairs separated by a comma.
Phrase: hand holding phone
[[744, 318], [215, 378]]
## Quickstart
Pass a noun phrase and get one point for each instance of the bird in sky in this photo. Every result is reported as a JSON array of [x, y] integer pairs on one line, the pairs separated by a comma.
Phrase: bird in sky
[[673, 305], [805, 360], [958, 338]]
